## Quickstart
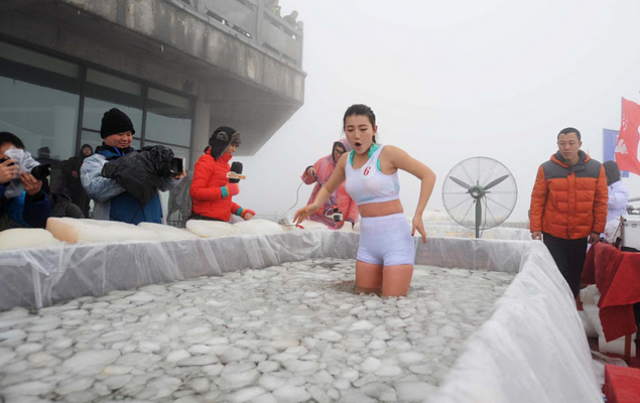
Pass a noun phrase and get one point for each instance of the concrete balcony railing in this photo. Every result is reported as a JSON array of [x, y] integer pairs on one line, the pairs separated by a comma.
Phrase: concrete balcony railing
[[252, 22]]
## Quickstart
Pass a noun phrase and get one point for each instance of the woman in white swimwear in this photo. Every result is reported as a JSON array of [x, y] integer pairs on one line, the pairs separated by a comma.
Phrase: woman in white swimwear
[[387, 251]]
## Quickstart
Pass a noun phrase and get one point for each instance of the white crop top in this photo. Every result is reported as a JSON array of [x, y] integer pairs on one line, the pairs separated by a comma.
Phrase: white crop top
[[368, 184]]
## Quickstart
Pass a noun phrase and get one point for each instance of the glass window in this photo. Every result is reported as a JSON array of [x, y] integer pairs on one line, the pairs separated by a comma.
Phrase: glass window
[[41, 117], [94, 110], [168, 118], [39, 60]]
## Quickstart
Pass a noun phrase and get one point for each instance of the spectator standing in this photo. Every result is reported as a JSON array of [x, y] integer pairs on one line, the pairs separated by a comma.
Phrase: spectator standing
[[569, 205], [211, 189], [319, 173], [112, 201], [26, 205], [618, 192], [71, 174]]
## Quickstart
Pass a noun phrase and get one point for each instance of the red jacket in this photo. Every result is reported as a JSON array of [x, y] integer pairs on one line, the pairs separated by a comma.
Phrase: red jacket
[[209, 177], [569, 202]]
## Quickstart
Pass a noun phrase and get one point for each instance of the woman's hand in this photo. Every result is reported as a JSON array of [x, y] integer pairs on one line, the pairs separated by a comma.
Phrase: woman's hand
[[418, 225], [304, 212]]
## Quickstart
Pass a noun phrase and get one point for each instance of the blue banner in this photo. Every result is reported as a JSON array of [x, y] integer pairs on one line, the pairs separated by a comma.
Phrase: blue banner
[[609, 141]]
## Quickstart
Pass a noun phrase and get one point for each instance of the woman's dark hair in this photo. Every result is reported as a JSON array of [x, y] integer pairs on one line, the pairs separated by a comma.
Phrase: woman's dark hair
[[361, 110], [6, 137]]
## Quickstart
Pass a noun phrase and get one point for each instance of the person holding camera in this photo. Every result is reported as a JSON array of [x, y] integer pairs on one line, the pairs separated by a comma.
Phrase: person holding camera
[[339, 208], [23, 203], [122, 182], [215, 182]]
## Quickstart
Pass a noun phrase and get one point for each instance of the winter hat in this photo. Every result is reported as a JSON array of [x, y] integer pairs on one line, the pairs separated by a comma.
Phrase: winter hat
[[115, 121], [221, 139], [612, 171]]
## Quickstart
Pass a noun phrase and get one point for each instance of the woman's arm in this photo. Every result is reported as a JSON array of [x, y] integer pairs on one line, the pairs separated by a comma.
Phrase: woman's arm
[[399, 159], [337, 177]]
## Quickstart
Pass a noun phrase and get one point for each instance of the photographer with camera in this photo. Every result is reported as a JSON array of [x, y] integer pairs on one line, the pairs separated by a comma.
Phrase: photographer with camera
[[23, 203], [123, 182], [215, 182], [340, 208]]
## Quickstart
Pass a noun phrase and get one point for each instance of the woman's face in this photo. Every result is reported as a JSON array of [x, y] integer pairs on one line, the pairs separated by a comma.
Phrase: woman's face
[[359, 132], [231, 149]]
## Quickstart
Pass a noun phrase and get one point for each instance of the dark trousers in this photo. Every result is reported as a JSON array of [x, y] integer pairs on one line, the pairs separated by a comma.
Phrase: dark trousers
[[569, 255]]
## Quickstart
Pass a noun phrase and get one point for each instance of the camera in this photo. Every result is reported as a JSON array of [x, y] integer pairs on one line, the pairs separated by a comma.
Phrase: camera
[[4, 159], [40, 172], [335, 214], [176, 166]]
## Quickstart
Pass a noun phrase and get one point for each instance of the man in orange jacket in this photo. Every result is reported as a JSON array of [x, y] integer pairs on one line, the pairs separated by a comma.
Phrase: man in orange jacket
[[569, 205]]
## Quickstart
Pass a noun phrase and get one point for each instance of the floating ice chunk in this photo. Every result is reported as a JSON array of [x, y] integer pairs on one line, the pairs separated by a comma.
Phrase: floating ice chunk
[[233, 354], [413, 391], [297, 366], [72, 230], [167, 232], [27, 238], [370, 364], [356, 397], [246, 394], [156, 289], [178, 355], [361, 325], [29, 389], [6, 355], [237, 380], [28, 348], [291, 394], [165, 385], [388, 370], [211, 229], [268, 366], [117, 381], [410, 357], [329, 335], [15, 334], [271, 382], [75, 385], [200, 360], [379, 391], [258, 227], [90, 362]]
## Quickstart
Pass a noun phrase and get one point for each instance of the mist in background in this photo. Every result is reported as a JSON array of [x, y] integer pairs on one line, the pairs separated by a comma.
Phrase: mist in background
[[453, 80]]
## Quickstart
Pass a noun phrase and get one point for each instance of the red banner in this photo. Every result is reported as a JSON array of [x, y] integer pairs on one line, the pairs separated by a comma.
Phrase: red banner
[[627, 146]]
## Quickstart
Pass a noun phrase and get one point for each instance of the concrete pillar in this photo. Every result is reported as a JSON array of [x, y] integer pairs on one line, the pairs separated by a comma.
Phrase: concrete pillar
[[201, 129]]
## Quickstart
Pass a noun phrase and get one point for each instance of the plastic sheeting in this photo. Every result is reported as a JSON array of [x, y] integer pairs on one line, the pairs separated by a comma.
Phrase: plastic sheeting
[[42, 277], [532, 349]]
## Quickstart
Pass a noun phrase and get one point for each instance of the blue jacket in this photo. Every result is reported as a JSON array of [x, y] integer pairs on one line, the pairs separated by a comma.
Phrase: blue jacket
[[112, 201], [23, 211]]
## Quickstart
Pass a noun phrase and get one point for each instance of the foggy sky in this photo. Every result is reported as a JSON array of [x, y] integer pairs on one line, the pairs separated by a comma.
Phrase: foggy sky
[[453, 80]]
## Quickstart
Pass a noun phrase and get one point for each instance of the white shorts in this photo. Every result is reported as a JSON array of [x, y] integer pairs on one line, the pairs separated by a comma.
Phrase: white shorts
[[386, 241]]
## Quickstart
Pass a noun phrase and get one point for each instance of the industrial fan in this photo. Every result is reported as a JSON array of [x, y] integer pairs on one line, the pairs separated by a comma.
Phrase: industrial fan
[[479, 193]]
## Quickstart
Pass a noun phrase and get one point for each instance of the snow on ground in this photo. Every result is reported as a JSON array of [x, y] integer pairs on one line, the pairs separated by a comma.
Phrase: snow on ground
[[292, 333]]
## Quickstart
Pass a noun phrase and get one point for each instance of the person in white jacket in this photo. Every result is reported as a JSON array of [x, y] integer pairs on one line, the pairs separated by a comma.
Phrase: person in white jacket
[[618, 193]]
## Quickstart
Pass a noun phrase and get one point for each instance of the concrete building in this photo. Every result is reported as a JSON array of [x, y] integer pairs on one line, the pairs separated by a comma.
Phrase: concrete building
[[177, 68]]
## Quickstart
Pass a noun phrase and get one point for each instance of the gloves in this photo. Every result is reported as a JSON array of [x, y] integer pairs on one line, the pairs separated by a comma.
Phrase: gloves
[[242, 212], [236, 167], [108, 170], [230, 190]]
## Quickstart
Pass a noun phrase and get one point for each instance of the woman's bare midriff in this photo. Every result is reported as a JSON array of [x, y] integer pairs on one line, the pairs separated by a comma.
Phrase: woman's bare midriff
[[380, 209]]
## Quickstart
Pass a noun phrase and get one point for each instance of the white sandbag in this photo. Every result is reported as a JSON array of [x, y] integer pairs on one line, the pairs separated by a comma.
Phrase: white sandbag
[[588, 294], [258, 226], [589, 329], [167, 232], [212, 229], [616, 346], [592, 315], [73, 230], [26, 238]]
